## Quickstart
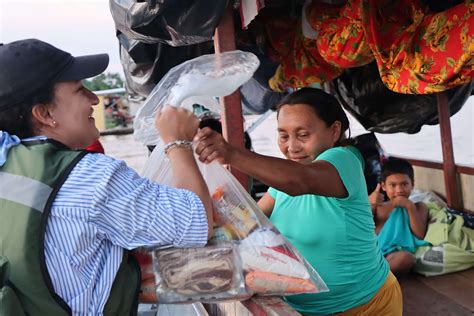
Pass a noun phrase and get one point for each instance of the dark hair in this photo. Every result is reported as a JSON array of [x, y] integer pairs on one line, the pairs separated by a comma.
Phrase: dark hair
[[326, 107], [396, 165], [17, 119]]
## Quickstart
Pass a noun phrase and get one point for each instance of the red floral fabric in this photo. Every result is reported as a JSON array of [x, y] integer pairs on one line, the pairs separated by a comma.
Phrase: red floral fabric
[[416, 51], [421, 52], [300, 61], [341, 40]]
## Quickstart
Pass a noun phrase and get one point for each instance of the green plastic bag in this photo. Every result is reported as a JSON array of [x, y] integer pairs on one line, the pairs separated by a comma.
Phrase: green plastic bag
[[452, 244]]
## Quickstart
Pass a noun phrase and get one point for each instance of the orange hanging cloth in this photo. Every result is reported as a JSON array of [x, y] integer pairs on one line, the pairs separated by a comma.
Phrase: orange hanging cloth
[[341, 41], [300, 61]]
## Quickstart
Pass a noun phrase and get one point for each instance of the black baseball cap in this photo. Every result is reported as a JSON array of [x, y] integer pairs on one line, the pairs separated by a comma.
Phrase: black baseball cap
[[28, 65]]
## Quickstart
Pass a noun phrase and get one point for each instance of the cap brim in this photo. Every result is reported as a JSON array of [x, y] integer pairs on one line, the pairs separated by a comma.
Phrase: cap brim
[[84, 67]]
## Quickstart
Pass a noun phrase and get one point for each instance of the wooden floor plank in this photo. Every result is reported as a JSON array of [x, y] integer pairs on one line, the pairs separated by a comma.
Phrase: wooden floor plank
[[421, 300], [454, 286], [468, 274]]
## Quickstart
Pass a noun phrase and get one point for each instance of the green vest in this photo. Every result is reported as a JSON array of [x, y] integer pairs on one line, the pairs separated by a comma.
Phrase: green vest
[[29, 181]]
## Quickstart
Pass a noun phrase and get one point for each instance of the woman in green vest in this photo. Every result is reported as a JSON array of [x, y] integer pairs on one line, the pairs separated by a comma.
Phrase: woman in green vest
[[69, 217], [318, 200]]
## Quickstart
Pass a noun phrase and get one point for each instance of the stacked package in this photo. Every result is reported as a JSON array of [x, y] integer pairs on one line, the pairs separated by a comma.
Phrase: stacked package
[[245, 256]]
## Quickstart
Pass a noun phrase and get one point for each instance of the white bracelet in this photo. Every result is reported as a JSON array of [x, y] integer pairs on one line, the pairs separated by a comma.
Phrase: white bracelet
[[177, 143]]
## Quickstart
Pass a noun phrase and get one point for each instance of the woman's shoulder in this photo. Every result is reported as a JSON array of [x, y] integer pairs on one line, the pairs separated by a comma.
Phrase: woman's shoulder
[[346, 153]]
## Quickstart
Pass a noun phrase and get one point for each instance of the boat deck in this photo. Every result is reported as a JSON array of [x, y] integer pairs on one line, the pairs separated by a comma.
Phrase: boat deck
[[450, 294]]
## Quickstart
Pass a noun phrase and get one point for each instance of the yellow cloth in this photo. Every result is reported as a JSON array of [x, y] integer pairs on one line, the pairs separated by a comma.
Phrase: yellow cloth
[[387, 301]]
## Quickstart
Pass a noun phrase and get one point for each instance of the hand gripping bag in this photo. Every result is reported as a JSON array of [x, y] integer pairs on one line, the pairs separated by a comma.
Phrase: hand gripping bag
[[199, 80], [246, 254]]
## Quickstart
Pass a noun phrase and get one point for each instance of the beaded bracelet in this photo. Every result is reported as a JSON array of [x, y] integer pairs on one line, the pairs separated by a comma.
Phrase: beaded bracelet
[[177, 143]]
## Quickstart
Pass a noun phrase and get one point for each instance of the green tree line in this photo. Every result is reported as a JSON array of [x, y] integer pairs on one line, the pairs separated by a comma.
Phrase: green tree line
[[104, 81]]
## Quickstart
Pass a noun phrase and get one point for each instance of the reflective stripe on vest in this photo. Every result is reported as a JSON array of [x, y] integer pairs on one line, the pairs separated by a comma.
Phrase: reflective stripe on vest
[[29, 181], [23, 190]]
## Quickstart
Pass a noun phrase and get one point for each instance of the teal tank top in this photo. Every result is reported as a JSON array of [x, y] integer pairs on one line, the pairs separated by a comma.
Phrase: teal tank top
[[336, 236]]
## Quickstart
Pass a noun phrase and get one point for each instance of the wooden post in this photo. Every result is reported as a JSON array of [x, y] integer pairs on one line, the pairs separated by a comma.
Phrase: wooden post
[[233, 131], [231, 108], [453, 195]]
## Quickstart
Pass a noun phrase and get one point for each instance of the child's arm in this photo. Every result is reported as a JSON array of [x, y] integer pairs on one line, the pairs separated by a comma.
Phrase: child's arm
[[418, 215], [423, 215], [375, 199]]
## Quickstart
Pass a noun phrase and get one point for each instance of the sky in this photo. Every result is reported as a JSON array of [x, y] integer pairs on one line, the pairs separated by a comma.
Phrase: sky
[[86, 27], [80, 27]]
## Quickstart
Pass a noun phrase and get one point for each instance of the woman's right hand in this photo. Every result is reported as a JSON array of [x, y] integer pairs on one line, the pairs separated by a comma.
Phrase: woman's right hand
[[212, 146], [176, 124]]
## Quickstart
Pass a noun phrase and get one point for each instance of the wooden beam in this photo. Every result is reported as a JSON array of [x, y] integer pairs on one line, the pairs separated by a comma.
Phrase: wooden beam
[[231, 108], [453, 194], [436, 165]]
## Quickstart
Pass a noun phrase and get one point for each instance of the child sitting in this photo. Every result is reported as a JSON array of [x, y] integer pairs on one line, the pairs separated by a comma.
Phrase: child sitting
[[399, 223]]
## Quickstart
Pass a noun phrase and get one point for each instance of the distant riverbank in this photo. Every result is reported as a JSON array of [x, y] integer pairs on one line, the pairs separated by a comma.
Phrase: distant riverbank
[[425, 145]]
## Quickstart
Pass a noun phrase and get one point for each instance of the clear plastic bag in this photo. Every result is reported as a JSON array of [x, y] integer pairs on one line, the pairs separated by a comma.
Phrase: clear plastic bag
[[212, 75], [427, 197], [263, 261]]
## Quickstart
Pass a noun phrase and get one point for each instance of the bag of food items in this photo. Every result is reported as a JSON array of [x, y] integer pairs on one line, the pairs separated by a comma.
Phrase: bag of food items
[[246, 254]]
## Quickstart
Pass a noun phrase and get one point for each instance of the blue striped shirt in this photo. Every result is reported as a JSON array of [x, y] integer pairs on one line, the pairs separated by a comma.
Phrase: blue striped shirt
[[102, 208]]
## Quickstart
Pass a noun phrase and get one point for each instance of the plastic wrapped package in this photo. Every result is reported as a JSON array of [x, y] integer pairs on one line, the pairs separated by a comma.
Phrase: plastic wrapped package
[[427, 197], [212, 75], [198, 274], [245, 256]]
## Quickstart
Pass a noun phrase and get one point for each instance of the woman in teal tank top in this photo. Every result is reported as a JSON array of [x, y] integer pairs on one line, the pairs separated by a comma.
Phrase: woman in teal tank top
[[318, 200]]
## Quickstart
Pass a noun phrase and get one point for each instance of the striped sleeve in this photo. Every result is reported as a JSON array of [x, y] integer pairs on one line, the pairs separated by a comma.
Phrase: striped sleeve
[[132, 211]]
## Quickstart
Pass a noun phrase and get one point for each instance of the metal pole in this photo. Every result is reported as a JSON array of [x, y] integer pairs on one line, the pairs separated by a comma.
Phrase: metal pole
[[453, 195], [232, 119]]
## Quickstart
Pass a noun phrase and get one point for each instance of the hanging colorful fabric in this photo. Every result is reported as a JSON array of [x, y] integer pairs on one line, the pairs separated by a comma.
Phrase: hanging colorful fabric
[[300, 62], [341, 41], [419, 52]]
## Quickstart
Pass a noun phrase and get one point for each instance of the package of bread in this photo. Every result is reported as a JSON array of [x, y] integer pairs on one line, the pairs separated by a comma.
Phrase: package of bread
[[210, 273]]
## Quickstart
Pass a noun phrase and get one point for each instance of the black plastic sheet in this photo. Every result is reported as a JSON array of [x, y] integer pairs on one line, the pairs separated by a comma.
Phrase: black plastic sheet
[[363, 94], [174, 22], [145, 64], [441, 5], [373, 155], [257, 97]]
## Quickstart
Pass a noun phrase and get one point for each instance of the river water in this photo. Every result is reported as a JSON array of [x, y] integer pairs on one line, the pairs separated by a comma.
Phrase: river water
[[425, 145]]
